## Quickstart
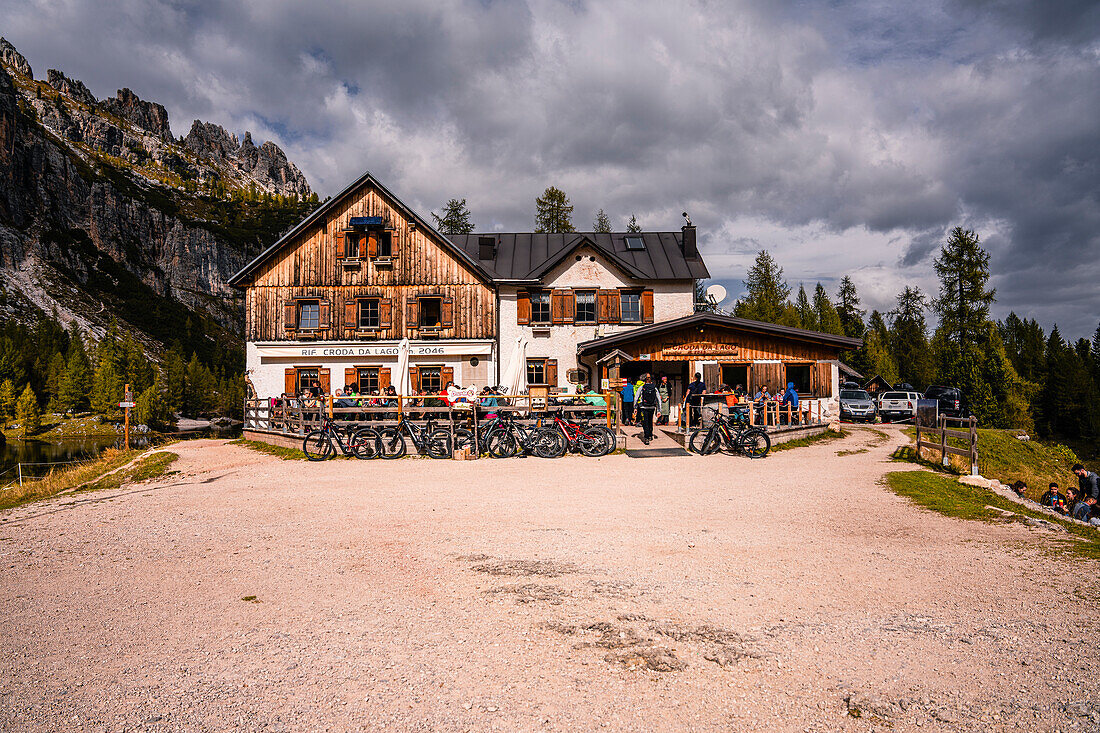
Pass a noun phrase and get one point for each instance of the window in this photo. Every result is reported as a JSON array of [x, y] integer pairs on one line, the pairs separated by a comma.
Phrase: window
[[631, 307], [308, 379], [369, 316], [385, 244], [309, 314], [351, 244], [431, 312], [366, 379], [540, 306], [634, 244], [536, 371], [586, 307], [801, 375], [431, 379]]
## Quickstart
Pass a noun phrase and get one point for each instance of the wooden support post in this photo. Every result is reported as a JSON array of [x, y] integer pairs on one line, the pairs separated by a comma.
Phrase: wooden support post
[[917, 425], [973, 446], [788, 413], [943, 442], [126, 398]]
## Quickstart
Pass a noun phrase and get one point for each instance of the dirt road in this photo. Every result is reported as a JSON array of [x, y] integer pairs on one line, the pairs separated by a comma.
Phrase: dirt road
[[683, 593]]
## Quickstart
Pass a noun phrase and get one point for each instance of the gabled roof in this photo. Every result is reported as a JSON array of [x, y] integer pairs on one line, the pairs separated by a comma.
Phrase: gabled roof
[[528, 256], [714, 319], [241, 278]]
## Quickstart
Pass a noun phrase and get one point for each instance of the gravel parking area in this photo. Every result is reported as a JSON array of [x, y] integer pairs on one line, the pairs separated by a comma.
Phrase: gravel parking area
[[679, 593]]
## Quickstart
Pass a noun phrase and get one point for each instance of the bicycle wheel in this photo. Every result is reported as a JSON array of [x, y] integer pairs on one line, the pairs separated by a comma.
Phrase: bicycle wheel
[[755, 443], [438, 443], [317, 446], [549, 443], [392, 443], [606, 437], [501, 444], [712, 443], [365, 444], [464, 439], [698, 437]]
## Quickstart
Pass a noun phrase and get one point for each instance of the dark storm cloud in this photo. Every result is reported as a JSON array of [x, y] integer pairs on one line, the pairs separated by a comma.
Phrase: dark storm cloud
[[845, 138]]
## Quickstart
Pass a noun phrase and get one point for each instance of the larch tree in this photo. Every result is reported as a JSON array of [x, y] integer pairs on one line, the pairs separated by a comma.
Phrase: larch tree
[[602, 222], [828, 321], [766, 292], [553, 212], [7, 401], [963, 303], [633, 226], [26, 412], [454, 219], [806, 314], [847, 308], [909, 338]]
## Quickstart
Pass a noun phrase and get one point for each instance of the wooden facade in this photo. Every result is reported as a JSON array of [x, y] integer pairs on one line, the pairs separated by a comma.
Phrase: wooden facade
[[336, 264]]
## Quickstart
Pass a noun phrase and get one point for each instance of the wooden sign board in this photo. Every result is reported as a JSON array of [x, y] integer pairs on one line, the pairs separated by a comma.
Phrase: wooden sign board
[[539, 397], [700, 349]]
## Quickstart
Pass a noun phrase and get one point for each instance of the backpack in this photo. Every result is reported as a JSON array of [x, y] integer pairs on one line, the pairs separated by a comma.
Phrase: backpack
[[649, 396]]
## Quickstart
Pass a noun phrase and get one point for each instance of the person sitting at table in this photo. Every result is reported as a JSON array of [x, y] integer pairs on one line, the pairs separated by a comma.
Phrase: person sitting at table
[[790, 397]]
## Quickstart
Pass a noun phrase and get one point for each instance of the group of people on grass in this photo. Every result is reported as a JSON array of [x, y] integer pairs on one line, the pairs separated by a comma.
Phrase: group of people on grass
[[1081, 502]]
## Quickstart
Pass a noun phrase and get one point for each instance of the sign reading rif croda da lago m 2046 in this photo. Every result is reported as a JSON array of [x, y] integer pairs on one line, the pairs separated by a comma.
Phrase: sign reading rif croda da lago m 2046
[[392, 349]]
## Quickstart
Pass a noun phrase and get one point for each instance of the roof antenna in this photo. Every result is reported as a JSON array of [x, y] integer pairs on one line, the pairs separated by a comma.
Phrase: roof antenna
[[688, 218]]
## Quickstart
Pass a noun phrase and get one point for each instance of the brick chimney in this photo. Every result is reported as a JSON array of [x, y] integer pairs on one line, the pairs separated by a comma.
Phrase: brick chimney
[[688, 245]]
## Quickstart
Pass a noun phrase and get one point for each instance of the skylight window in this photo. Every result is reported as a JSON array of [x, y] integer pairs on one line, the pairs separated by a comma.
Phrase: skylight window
[[634, 243]]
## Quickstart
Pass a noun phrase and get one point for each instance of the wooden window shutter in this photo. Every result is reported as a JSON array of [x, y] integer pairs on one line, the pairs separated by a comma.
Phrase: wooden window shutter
[[339, 244], [324, 317], [290, 381], [372, 245], [552, 372], [385, 313], [570, 306], [523, 307], [325, 380], [414, 378], [712, 376], [290, 315], [384, 379], [447, 312], [412, 312], [614, 306], [647, 306], [351, 312], [823, 380], [602, 306], [557, 305], [351, 377], [447, 374]]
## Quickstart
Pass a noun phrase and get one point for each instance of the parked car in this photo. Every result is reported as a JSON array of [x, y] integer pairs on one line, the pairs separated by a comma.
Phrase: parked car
[[950, 400], [895, 405], [856, 405]]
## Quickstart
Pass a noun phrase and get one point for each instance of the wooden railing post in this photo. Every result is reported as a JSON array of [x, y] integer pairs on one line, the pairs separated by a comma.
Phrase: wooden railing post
[[918, 438], [943, 442], [973, 446]]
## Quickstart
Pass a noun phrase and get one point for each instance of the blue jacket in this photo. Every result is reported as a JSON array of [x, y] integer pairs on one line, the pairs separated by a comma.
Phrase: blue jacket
[[628, 392], [790, 395]]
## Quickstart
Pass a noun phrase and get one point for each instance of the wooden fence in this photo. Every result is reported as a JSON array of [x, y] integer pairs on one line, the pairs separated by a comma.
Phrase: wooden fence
[[940, 435], [770, 414], [298, 417]]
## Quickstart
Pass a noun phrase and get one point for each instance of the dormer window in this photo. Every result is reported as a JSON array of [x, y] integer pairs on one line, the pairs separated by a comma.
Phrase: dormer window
[[634, 243]]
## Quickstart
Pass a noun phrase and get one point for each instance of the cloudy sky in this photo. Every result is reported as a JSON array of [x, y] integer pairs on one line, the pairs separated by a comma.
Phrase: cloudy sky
[[845, 138]]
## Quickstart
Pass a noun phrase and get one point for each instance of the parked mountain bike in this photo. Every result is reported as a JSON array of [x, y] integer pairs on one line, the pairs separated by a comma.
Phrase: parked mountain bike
[[320, 444], [730, 433], [593, 441], [436, 442], [504, 438]]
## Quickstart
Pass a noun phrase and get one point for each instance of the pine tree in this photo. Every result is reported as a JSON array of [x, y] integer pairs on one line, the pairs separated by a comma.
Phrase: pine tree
[[767, 292], [553, 212], [806, 314], [7, 401], [175, 379], [633, 226], [106, 386], [879, 360], [150, 408], [54, 373], [851, 315], [828, 321], [909, 338], [75, 383], [963, 303], [602, 222], [455, 218], [26, 412]]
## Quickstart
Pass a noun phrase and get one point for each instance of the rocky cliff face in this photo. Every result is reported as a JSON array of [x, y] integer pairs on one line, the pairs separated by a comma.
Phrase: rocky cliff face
[[103, 214]]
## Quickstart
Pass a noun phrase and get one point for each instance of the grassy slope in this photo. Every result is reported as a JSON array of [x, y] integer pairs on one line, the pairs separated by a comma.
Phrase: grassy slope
[[90, 476]]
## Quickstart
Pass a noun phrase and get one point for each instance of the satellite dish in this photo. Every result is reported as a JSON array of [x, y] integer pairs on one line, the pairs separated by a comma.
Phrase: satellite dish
[[716, 293]]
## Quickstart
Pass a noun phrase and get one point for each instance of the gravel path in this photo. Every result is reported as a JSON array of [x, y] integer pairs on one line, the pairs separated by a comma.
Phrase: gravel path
[[683, 593]]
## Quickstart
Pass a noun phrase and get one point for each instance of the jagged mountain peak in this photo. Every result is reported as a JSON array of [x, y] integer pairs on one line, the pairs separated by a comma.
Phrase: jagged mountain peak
[[14, 59]]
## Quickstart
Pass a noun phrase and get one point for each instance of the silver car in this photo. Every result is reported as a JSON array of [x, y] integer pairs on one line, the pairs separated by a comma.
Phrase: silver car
[[856, 405]]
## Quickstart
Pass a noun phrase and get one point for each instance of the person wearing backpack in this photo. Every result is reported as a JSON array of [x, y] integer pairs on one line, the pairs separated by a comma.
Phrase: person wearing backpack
[[649, 401]]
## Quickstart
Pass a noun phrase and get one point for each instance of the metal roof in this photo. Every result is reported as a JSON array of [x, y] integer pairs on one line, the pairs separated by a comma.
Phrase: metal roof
[[239, 280], [714, 319], [524, 256]]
